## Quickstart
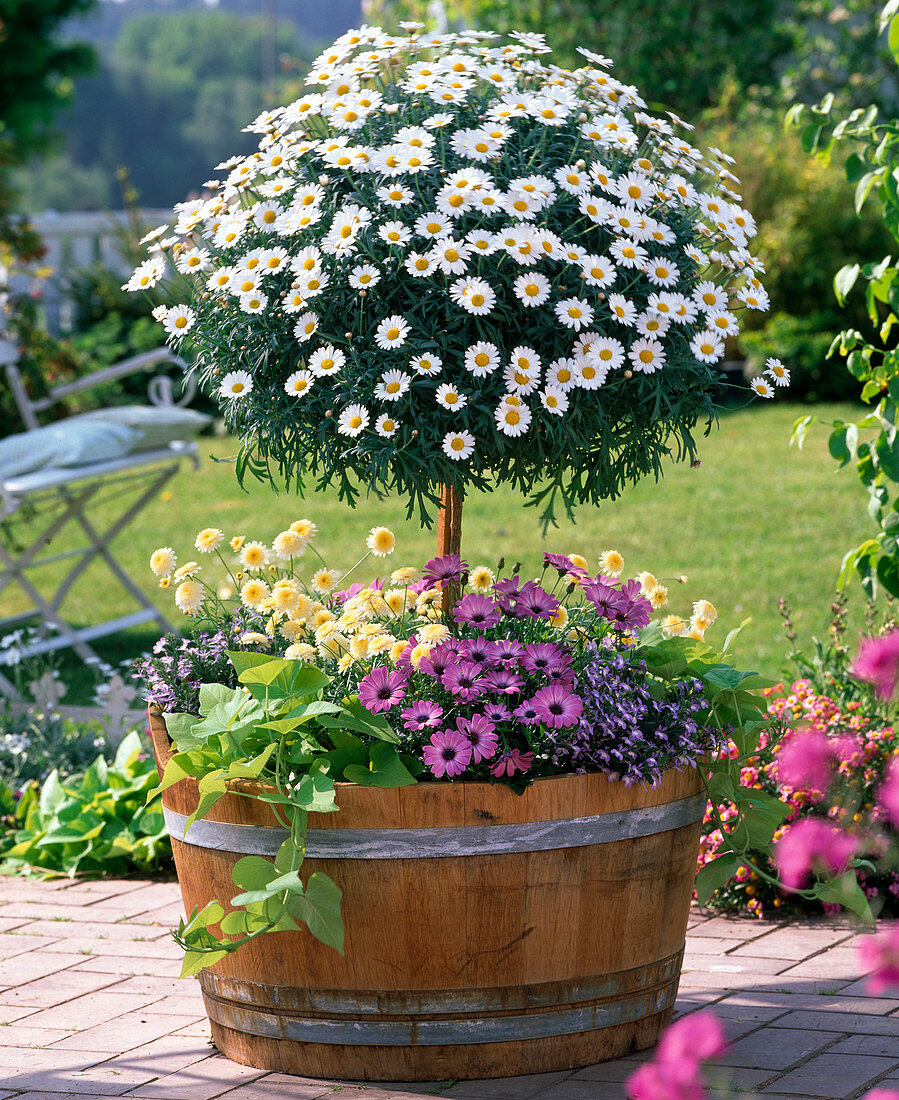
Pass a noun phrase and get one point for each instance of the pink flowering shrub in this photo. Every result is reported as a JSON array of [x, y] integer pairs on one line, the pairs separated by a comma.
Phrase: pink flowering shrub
[[675, 1073], [834, 768]]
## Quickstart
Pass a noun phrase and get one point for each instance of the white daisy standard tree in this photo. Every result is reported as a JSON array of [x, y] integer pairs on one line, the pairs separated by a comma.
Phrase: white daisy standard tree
[[452, 264]]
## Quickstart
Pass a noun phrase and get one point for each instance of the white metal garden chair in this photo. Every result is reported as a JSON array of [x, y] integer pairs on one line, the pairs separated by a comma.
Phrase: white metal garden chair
[[37, 506]]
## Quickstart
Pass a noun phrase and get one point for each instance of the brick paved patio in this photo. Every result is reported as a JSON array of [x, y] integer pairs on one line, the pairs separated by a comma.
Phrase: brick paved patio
[[90, 1006]]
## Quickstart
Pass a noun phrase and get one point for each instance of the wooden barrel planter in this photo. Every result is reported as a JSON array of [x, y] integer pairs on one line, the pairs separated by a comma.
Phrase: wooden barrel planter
[[487, 934]]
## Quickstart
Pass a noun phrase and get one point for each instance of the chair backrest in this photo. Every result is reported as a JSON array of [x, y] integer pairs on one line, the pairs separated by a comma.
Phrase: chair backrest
[[160, 390]]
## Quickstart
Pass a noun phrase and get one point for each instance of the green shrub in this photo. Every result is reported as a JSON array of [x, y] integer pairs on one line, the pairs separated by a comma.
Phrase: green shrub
[[803, 343], [94, 823]]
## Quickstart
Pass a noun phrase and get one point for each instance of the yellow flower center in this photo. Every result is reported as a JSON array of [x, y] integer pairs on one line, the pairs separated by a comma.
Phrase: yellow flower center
[[452, 255], [237, 387], [707, 349], [356, 421], [481, 147], [646, 356], [395, 196], [342, 162], [180, 322], [605, 354], [532, 290], [563, 375], [572, 178], [327, 364], [393, 387], [597, 272], [574, 312], [628, 252], [709, 299], [246, 285], [634, 192], [393, 333], [551, 401], [433, 227], [346, 231], [458, 444], [309, 328], [451, 398], [588, 372], [421, 264], [387, 425], [269, 216], [481, 359], [512, 417], [477, 299], [350, 116], [522, 378], [414, 162], [300, 385], [314, 284]]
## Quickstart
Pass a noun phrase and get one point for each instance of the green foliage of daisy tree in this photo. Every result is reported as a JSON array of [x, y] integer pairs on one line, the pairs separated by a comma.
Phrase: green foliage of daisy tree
[[452, 264]]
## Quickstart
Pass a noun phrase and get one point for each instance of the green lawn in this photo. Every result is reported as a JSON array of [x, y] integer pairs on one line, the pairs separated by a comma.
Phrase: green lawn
[[757, 521]]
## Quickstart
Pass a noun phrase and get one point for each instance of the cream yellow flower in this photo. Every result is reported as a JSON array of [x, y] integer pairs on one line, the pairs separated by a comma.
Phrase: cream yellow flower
[[189, 569], [397, 650], [286, 595], [395, 598], [359, 647], [253, 637], [305, 528], [381, 541], [704, 614], [165, 582], [237, 542], [163, 561], [673, 626], [696, 633], [350, 619], [189, 597], [380, 643], [291, 629], [433, 634], [325, 581], [326, 630], [425, 599], [303, 608], [209, 539], [647, 582], [481, 578], [254, 555], [419, 653], [345, 662], [611, 562], [404, 576], [577, 561], [559, 619], [334, 645], [254, 593], [289, 544], [657, 596], [323, 615], [301, 651]]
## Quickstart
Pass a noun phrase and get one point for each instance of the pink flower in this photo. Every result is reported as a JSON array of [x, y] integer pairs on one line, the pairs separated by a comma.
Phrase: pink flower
[[888, 793], [803, 760], [809, 844], [878, 663], [881, 1094], [511, 762], [449, 753], [878, 955], [675, 1072], [479, 732]]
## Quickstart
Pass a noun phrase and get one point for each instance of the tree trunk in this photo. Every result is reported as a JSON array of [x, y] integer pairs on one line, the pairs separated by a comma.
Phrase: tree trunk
[[449, 536]]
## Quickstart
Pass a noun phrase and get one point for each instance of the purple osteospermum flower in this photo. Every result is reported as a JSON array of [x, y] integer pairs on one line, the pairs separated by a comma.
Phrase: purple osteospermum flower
[[543, 656], [561, 675], [449, 753], [440, 658], [633, 610], [511, 762], [382, 689], [497, 712], [563, 563], [478, 731], [477, 611], [504, 681], [534, 602], [506, 650], [506, 589], [476, 650], [603, 595], [527, 713], [445, 569], [421, 715], [463, 681], [557, 706]]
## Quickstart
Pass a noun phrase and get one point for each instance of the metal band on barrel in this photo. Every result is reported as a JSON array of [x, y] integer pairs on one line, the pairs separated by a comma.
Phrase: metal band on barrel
[[420, 1031], [462, 840]]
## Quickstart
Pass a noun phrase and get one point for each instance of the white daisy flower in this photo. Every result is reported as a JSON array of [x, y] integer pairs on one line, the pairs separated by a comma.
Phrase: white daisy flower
[[426, 364], [178, 320], [647, 355], [433, 226], [395, 233], [777, 372], [513, 420], [629, 254], [481, 242], [307, 262], [189, 260], [652, 324], [573, 253], [314, 283], [554, 400], [662, 272], [364, 276], [709, 297], [237, 383], [451, 256], [761, 387], [221, 279], [306, 326], [393, 384], [481, 359], [458, 445], [386, 426], [590, 375], [707, 346], [531, 289], [598, 271], [574, 313], [326, 361], [450, 398], [353, 420], [474, 295], [572, 179], [419, 264], [253, 302], [294, 301], [623, 310], [523, 371], [391, 332], [395, 194], [722, 321], [606, 353], [299, 383], [452, 202], [272, 260], [561, 374]]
